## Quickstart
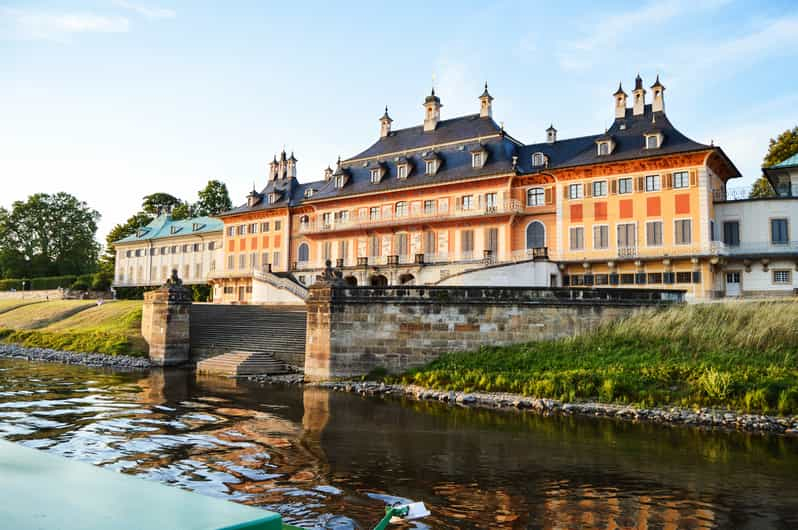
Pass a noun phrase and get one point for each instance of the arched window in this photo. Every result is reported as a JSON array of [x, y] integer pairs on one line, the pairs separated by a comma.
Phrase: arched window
[[535, 197], [304, 252], [535, 235]]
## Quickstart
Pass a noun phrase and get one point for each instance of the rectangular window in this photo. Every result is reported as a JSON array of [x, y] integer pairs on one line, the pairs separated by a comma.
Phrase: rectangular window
[[731, 233], [276, 259], [173, 249], [625, 185], [277, 225], [342, 216], [654, 277], [326, 250], [683, 231], [467, 241], [653, 183], [684, 277], [231, 230], [627, 236], [492, 240], [575, 191], [429, 207], [601, 279], [264, 259], [211, 245], [401, 171], [253, 228], [401, 209], [600, 188], [241, 230], [779, 231], [253, 260], [230, 262], [242, 261], [374, 246], [681, 179], [601, 236], [429, 242], [577, 239], [401, 244], [375, 176], [326, 219], [491, 201], [627, 278], [264, 227], [535, 197], [652, 141], [603, 148], [654, 233], [782, 277], [467, 202]]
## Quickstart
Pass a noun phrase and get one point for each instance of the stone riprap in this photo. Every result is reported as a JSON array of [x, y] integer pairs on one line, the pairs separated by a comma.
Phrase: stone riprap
[[14, 351], [353, 330], [703, 417]]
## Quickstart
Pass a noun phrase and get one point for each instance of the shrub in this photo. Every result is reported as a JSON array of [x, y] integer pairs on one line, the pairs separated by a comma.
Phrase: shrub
[[716, 385], [79, 285]]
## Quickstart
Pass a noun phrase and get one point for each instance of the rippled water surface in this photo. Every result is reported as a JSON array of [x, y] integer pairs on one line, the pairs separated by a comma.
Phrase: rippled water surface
[[334, 460]]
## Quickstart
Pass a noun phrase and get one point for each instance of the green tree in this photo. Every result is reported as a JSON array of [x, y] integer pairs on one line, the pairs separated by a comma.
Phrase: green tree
[[782, 148], [761, 189], [156, 203], [121, 231], [182, 211], [48, 235], [779, 149], [213, 200]]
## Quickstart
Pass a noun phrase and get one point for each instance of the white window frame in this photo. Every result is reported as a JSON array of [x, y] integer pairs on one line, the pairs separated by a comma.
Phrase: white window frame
[[787, 274], [400, 212], [675, 231], [476, 159], [656, 183], [656, 138], [375, 176], [618, 239], [576, 191], [401, 171], [571, 238], [539, 198], [602, 193], [431, 167], [662, 233], [538, 159], [470, 202], [339, 181], [631, 185], [595, 247], [605, 145], [683, 178]]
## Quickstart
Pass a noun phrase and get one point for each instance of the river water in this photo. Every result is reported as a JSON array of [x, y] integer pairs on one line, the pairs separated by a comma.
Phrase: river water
[[334, 460]]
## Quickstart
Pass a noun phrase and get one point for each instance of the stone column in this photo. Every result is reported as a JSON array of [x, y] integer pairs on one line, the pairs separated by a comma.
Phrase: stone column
[[165, 321], [319, 330]]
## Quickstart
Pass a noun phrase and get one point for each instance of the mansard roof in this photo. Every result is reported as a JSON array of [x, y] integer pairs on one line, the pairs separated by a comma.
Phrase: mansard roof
[[790, 162], [447, 131], [164, 226]]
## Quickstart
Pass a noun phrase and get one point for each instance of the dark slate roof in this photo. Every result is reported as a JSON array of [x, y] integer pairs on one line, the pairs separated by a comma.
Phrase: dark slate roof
[[558, 153], [292, 193], [455, 164], [628, 134], [447, 131]]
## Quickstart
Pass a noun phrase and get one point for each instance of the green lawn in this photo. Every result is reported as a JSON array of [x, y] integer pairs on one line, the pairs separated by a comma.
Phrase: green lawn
[[113, 328], [8, 305], [743, 355]]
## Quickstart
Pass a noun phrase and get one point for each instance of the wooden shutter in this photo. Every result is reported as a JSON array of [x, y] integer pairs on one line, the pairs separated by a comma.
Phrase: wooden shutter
[[613, 186], [549, 195], [588, 190], [565, 191], [640, 183], [480, 201], [668, 181], [693, 177]]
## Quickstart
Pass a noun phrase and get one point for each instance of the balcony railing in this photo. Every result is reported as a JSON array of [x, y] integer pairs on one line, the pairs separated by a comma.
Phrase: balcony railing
[[433, 214]]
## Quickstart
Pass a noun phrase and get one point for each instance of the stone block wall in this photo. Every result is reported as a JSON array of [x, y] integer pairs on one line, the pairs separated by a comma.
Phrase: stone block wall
[[354, 330], [165, 324]]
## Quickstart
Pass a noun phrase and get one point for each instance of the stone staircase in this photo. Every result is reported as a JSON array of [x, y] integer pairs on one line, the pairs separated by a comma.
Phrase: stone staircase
[[242, 364], [274, 331]]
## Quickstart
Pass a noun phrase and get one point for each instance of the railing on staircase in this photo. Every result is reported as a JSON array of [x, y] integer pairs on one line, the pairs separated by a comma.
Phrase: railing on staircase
[[279, 282]]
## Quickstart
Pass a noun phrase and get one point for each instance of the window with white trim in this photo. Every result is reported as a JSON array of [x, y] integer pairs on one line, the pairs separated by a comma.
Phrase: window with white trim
[[601, 237], [576, 238], [625, 185], [782, 277], [603, 148], [683, 231], [652, 141], [431, 166], [535, 197], [401, 209], [375, 176], [599, 188], [627, 236], [575, 191], [681, 179], [653, 183], [467, 202], [654, 233], [401, 171], [476, 159], [538, 159]]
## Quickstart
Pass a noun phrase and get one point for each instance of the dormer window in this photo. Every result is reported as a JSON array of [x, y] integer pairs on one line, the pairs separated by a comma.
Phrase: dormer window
[[401, 171], [309, 193], [273, 197], [479, 156], [604, 148], [174, 229], [197, 226], [375, 176], [340, 180], [431, 167], [538, 159], [653, 141]]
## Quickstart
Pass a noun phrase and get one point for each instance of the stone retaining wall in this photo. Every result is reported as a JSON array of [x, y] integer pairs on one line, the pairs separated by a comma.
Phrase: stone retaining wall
[[354, 330]]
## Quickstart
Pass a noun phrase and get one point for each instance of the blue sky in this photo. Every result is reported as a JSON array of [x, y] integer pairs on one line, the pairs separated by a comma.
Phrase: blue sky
[[114, 99]]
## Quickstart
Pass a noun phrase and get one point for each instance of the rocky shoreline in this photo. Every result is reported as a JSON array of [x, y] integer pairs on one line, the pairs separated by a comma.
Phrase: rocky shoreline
[[93, 360], [704, 418]]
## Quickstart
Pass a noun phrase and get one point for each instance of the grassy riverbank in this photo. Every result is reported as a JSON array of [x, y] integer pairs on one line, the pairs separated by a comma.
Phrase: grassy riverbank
[[740, 355], [76, 325]]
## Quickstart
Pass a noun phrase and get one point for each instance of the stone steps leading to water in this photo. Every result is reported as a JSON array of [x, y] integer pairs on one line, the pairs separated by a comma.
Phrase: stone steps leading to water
[[242, 363]]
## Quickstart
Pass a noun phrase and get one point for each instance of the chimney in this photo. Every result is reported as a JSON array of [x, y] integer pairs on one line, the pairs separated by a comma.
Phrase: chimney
[[328, 173], [273, 168], [658, 103], [432, 111], [290, 166], [639, 95], [385, 124], [551, 134], [620, 102], [485, 103]]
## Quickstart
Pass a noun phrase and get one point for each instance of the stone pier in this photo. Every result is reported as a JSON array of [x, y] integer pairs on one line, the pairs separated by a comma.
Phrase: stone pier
[[165, 322]]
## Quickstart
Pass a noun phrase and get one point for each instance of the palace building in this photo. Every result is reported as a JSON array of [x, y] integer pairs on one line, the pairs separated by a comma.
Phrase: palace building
[[460, 201]]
